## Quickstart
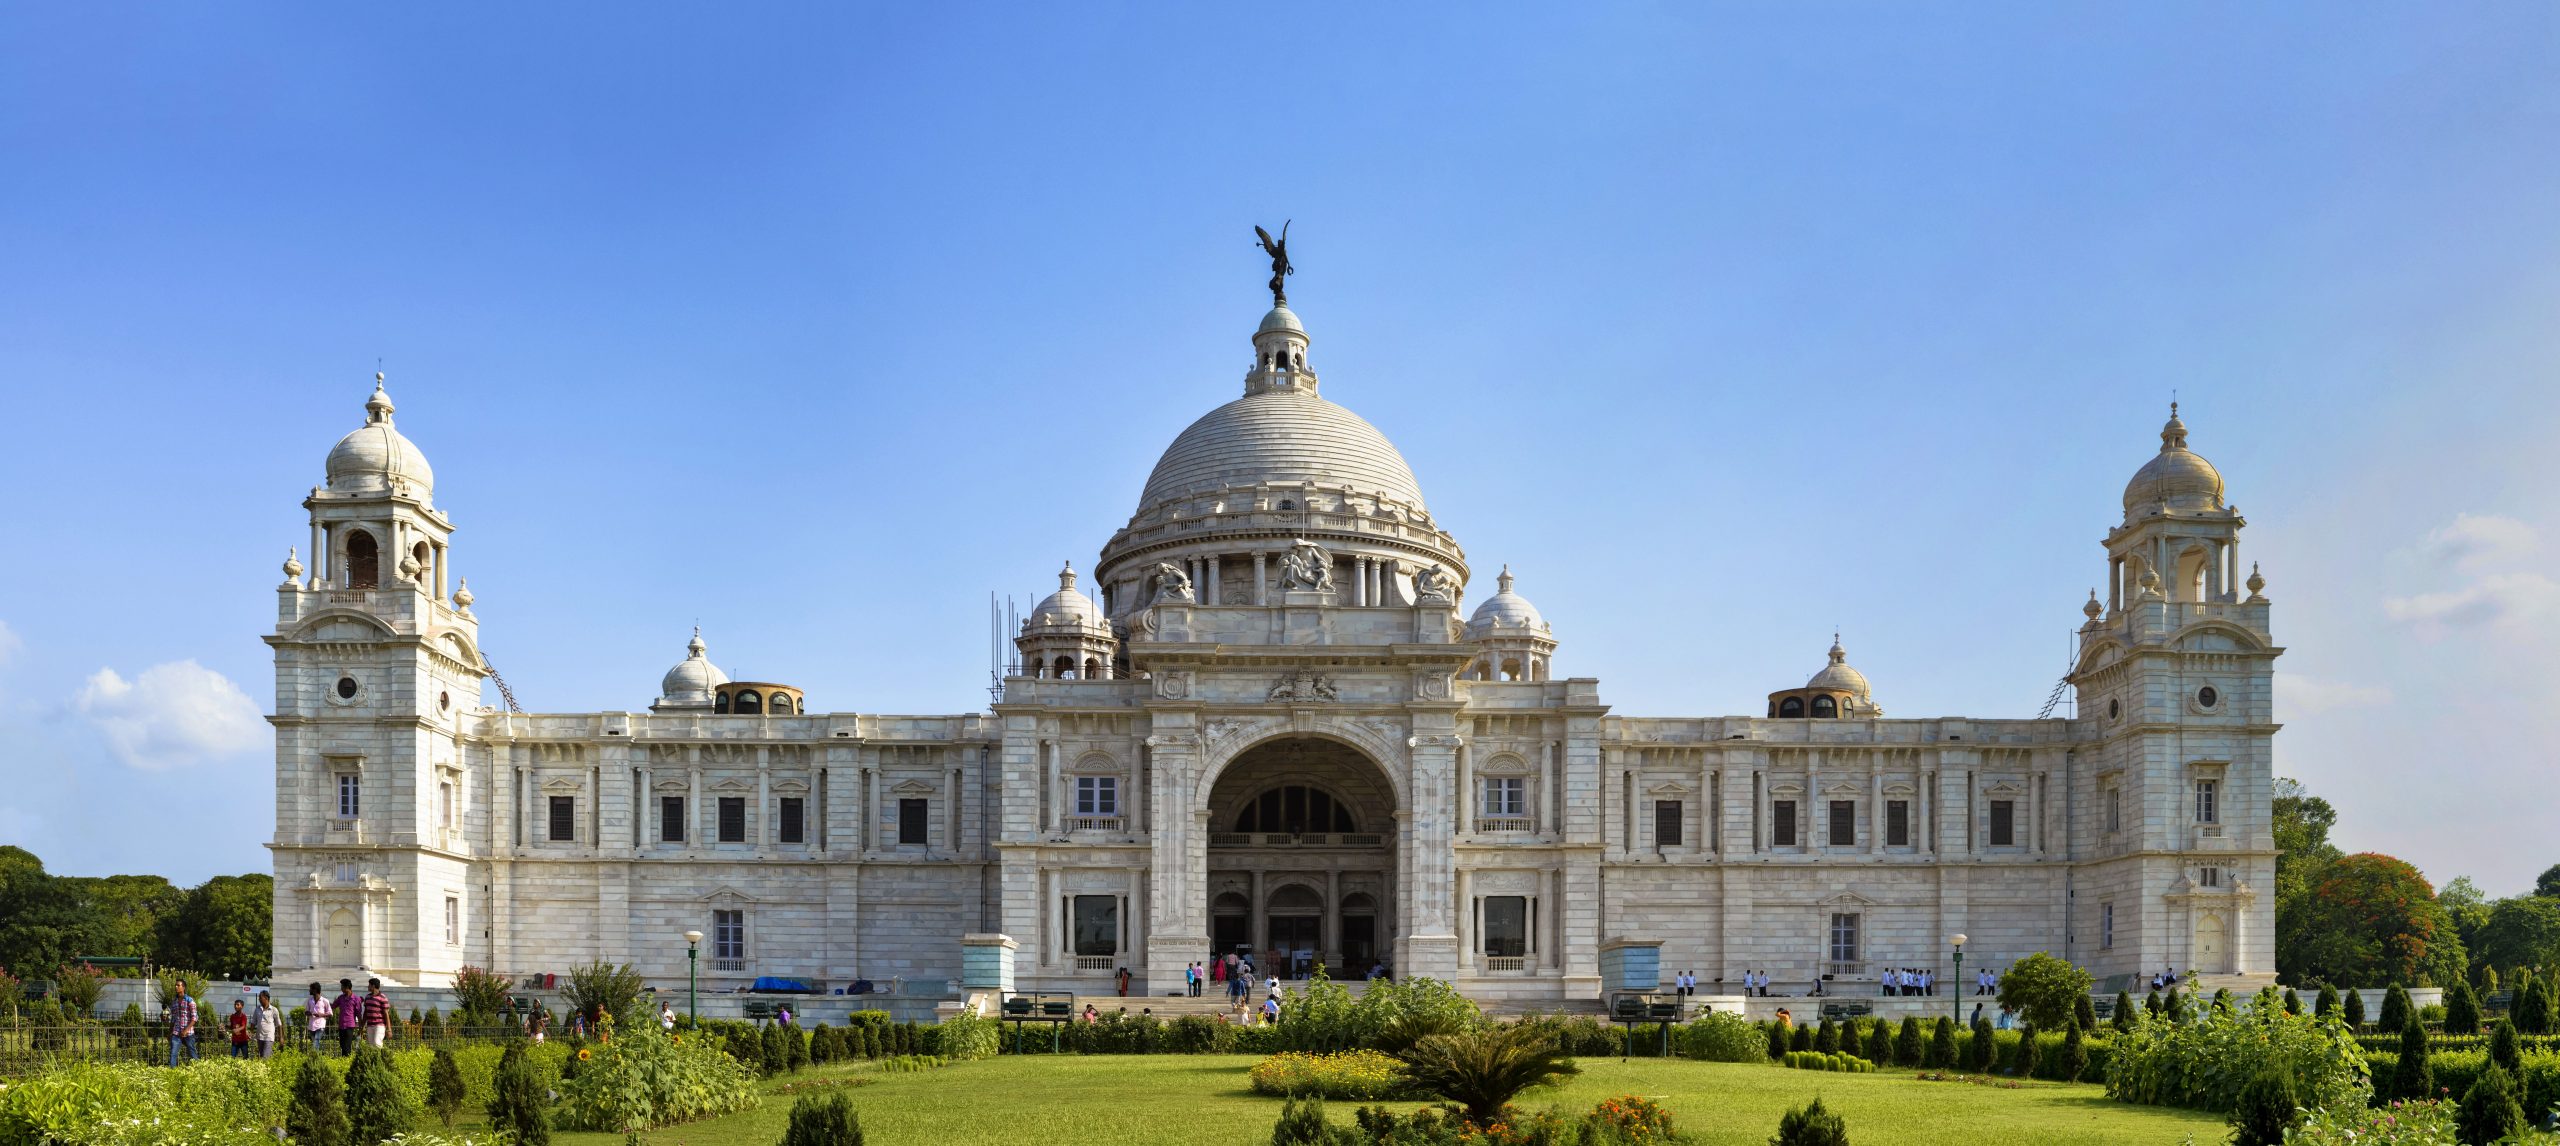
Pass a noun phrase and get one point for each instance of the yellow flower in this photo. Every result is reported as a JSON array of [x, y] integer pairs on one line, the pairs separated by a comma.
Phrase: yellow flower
[[584, 1054]]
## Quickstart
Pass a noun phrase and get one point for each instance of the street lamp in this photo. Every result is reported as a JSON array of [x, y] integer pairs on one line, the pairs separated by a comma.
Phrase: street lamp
[[692, 976], [1955, 997]]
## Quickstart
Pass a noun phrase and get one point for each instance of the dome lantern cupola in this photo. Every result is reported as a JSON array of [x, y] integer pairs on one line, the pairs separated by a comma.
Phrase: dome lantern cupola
[[691, 684], [376, 458], [1280, 356], [1838, 691], [2175, 479], [1066, 637], [1514, 637]]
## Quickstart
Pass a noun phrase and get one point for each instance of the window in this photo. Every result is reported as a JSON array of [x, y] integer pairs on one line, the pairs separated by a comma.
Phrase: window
[[1506, 925], [2115, 809], [2106, 925], [2207, 697], [1294, 809], [1791, 707], [1844, 937], [347, 688], [1897, 823], [781, 705], [452, 922], [790, 820], [2004, 823], [911, 821], [671, 819], [1505, 796], [733, 819], [350, 789], [364, 560], [1097, 924], [1825, 708], [346, 871], [564, 817], [2208, 802], [728, 935], [749, 703], [2208, 877], [1844, 823], [1666, 823], [444, 805], [1782, 828], [1097, 795]]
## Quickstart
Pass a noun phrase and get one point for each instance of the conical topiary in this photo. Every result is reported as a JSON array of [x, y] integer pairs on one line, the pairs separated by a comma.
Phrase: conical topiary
[[1802, 1040], [318, 1114], [2489, 1109], [2355, 1006], [2505, 1049], [1777, 1040], [2412, 1078], [1811, 1125], [2327, 1003], [2022, 1060], [1826, 1038], [1880, 1042], [445, 1091], [1984, 1050], [2461, 1010], [2265, 1109], [828, 1120], [2123, 1018], [777, 1057], [1942, 1045], [516, 1100], [2395, 1008], [2152, 1004], [2292, 1002], [2075, 1055], [1907, 1045], [2083, 1011], [376, 1108]]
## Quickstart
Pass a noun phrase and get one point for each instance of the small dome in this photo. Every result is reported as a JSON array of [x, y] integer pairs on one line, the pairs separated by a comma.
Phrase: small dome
[[1280, 318], [375, 456], [1838, 674], [2176, 477], [1505, 610], [692, 681], [1067, 606]]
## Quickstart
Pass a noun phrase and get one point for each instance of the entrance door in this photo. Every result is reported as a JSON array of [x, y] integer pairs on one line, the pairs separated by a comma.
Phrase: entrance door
[[2212, 938], [343, 935], [1294, 940]]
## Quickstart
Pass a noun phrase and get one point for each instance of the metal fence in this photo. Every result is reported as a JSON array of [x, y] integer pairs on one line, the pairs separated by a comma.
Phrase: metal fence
[[27, 1049]]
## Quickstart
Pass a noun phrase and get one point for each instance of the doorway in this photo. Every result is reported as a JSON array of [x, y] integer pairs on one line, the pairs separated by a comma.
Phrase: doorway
[[1359, 935], [1230, 926], [344, 937]]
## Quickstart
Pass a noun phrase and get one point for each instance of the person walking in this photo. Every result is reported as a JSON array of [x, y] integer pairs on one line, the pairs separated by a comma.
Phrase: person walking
[[182, 1025], [266, 1025], [1275, 986], [239, 1024], [350, 1013], [377, 1013], [316, 1016], [1123, 978]]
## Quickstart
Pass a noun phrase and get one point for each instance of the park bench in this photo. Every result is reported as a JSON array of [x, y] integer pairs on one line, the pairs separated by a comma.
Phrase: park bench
[[1852, 1009]]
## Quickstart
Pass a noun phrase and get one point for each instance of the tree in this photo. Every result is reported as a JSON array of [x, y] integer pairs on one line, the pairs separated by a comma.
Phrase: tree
[[2525, 1007], [1942, 1045], [515, 1100], [598, 989], [2043, 988], [2547, 885], [2301, 823], [78, 986], [2521, 932], [2327, 1003], [2461, 1010], [376, 1109], [2368, 918], [2412, 1078], [1880, 1043], [1826, 1038], [477, 995], [2292, 1002], [2123, 1018], [2075, 1055], [225, 925], [1777, 1041], [2266, 1109], [1908, 1045], [2355, 1007], [2395, 1008], [828, 1120], [1983, 1050], [2083, 1012], [2022, 1060], [2505, 1049], [1811, 1125], [1482, 1070], [2489, 1110], [445, 1091], [318, 1113]]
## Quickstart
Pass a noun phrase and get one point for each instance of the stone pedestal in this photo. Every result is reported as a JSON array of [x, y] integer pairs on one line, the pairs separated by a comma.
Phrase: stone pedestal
[[1432, 955], [986, 962], [1302, 616], [1630, 965]]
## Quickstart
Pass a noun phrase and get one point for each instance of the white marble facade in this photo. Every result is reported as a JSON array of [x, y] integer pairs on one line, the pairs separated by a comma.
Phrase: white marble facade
[[1272, 723]]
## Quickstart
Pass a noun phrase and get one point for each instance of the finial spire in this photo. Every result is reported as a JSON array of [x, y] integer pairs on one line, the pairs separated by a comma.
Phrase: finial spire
[[1066, 576], [1505, 579], [377, 409]]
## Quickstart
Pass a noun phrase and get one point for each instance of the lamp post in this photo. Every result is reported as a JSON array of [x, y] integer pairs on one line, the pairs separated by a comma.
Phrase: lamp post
[[692, 976], [1955, 999]]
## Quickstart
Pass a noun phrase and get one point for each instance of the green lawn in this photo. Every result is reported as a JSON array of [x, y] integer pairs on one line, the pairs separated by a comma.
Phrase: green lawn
[[1175, 1100]]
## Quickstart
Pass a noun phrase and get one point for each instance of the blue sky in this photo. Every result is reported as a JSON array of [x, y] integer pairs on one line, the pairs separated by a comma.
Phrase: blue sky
[[1723, 325]]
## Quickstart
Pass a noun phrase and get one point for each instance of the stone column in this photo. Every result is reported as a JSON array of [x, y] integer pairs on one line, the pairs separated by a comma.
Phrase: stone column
[[1466, 794], [763, 835], [1177, 916], [1257, 926], [1467, 941], [1329, 945], [1430, 861], [641, 836], [1049, 810], [1875, 807], [1261, 583]]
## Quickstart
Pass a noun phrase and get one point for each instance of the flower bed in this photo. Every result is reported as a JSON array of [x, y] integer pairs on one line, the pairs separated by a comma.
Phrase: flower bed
[[1354, 1076]]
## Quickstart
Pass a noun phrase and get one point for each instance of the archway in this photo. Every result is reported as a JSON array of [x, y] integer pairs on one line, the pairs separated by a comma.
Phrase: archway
[[1300, 830]]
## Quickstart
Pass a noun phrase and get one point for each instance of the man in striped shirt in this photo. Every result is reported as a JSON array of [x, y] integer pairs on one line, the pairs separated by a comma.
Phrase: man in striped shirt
[[377, 1012], [182, 1024]]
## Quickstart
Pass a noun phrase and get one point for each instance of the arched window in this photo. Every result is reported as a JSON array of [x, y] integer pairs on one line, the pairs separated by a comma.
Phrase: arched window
[[749, 703], [1791, 707], [1064, 668], [1092, 669], [720, 704], [421, 554], [1295, 809], [1825, 708], [780, 705], [364, 560]]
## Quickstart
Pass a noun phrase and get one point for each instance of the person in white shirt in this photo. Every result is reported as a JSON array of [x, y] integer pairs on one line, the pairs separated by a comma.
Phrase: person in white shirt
[[667, 1016]]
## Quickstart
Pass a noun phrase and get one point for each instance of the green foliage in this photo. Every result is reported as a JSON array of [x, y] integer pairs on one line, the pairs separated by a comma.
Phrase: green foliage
[[2202, 1064], [2327, 1003], [477, 995], [1801, 1039], [796, 1041], [2520, 932], [1777, 1041], [1351, 1075], [823, 1120], [164, 991], [1720, 1036], [2043, 988], [2083, 1011], [1981, 1050], [1481, 1070], [643, 1077], [516, 1100], [2489, 1109], [965, 1038], [598, 989], [1908, 1045], [2410, 1077], [2266, 1109], [2123, 1018], [2366, 918], [1816, 1060], [1942, 1045], [2461, 1010], [1879, 1043], [1826, 1038], [1811, 1125], [2292, 1002], [222, 925], [2074, 1061], [2355, 1007], [445, 1089], [376, 1109], [2395, 1009], [2504, 1048], [225, 925], [78, 987], [318, 1115], [1302, 1124], [2022, 1060]]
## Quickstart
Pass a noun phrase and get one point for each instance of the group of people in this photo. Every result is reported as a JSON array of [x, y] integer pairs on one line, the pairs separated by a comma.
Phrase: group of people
[[2165, 980], [247, 1029], [352, 1015], [1904, 981]]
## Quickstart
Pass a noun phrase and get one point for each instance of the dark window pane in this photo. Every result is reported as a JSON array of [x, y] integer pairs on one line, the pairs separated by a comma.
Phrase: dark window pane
[[564, 817], [2003, 823], [1666, 823], [1844, 823], [790, 824], [1897, 823], [1097, 924], [728, 935], [733, 819], [1506, 925], [911, 821], [1783, 828], [671, 819]]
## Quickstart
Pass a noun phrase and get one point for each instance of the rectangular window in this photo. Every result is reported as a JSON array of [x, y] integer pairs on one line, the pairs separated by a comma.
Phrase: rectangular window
[[452, 922], [789, 825], [346, 871], [1506, 925], [1097, 924], [1844, 937], [1505, 797], [728, 935], [671, 819], [444, 805], [564, 817], [1666, 823], [1097, 795], [911, 821], [2106, 925], [1844, 823], [2208, 877], [2208, 803], [349, 789], [1782, 823], [2115, 809], [1897, 823], [2004, 823], [733, 819]]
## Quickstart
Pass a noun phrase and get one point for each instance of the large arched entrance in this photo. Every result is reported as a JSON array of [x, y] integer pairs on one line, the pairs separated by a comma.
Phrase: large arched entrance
[[1301, 859]]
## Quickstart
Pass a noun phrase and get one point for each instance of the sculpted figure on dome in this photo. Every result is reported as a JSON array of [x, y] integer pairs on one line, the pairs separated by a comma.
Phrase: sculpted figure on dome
[[1434, 585], [1278, 249], [1307, 566], [1171, 583]]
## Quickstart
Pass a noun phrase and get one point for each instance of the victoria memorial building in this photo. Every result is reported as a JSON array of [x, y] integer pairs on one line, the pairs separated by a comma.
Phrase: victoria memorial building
[[1282, 711]]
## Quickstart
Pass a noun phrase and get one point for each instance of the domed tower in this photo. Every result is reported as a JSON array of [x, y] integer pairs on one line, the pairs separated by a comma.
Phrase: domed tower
[[1515, 639], [692, 685], [378, 673], [2178, 539], [1837, 692], [1065, 637], [1233, 505]]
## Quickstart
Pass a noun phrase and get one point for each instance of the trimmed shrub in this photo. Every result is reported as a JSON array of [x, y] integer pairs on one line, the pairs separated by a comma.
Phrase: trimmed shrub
[[2327, 1003], [516, 1098], [2123, 1018], [1811, 1125], [1302, 1124], [774, 1057], [2461, 1010], [823, 1120], [2074, 1059], [318, 1116], [1837, 1063], [2504, 1048], [2395, 1009], [2266, 1109], [1907, 1044], [1942, 1046], [1826, 1038], [1983, 1049], [2355, 1007], [1879, 1043], [2083, 1011], [1777, 1041], [2410, 1077], [967, 1038], [445, 1089], [375, 1107], [1802, 1040], [2489, 1110], [1719, 1036]]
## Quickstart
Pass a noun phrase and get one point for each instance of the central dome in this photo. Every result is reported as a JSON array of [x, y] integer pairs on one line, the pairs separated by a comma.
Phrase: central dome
[[1281, 437]]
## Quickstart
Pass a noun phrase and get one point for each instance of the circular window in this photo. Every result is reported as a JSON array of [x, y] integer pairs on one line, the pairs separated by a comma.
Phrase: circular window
[[443, 701], [346, 688], [2207, 697], [2115, 708]]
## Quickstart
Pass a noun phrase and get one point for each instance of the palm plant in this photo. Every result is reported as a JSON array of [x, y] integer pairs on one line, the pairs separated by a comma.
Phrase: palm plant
[[1482, 1070]]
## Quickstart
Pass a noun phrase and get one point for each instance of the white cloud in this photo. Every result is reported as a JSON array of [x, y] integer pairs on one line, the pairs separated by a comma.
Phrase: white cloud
[[2493, 598], [2475, 540], [172, 715], [2299, 695]]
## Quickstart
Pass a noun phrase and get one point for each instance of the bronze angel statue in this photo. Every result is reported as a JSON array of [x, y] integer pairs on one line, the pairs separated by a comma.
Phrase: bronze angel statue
[[1278, 249]]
